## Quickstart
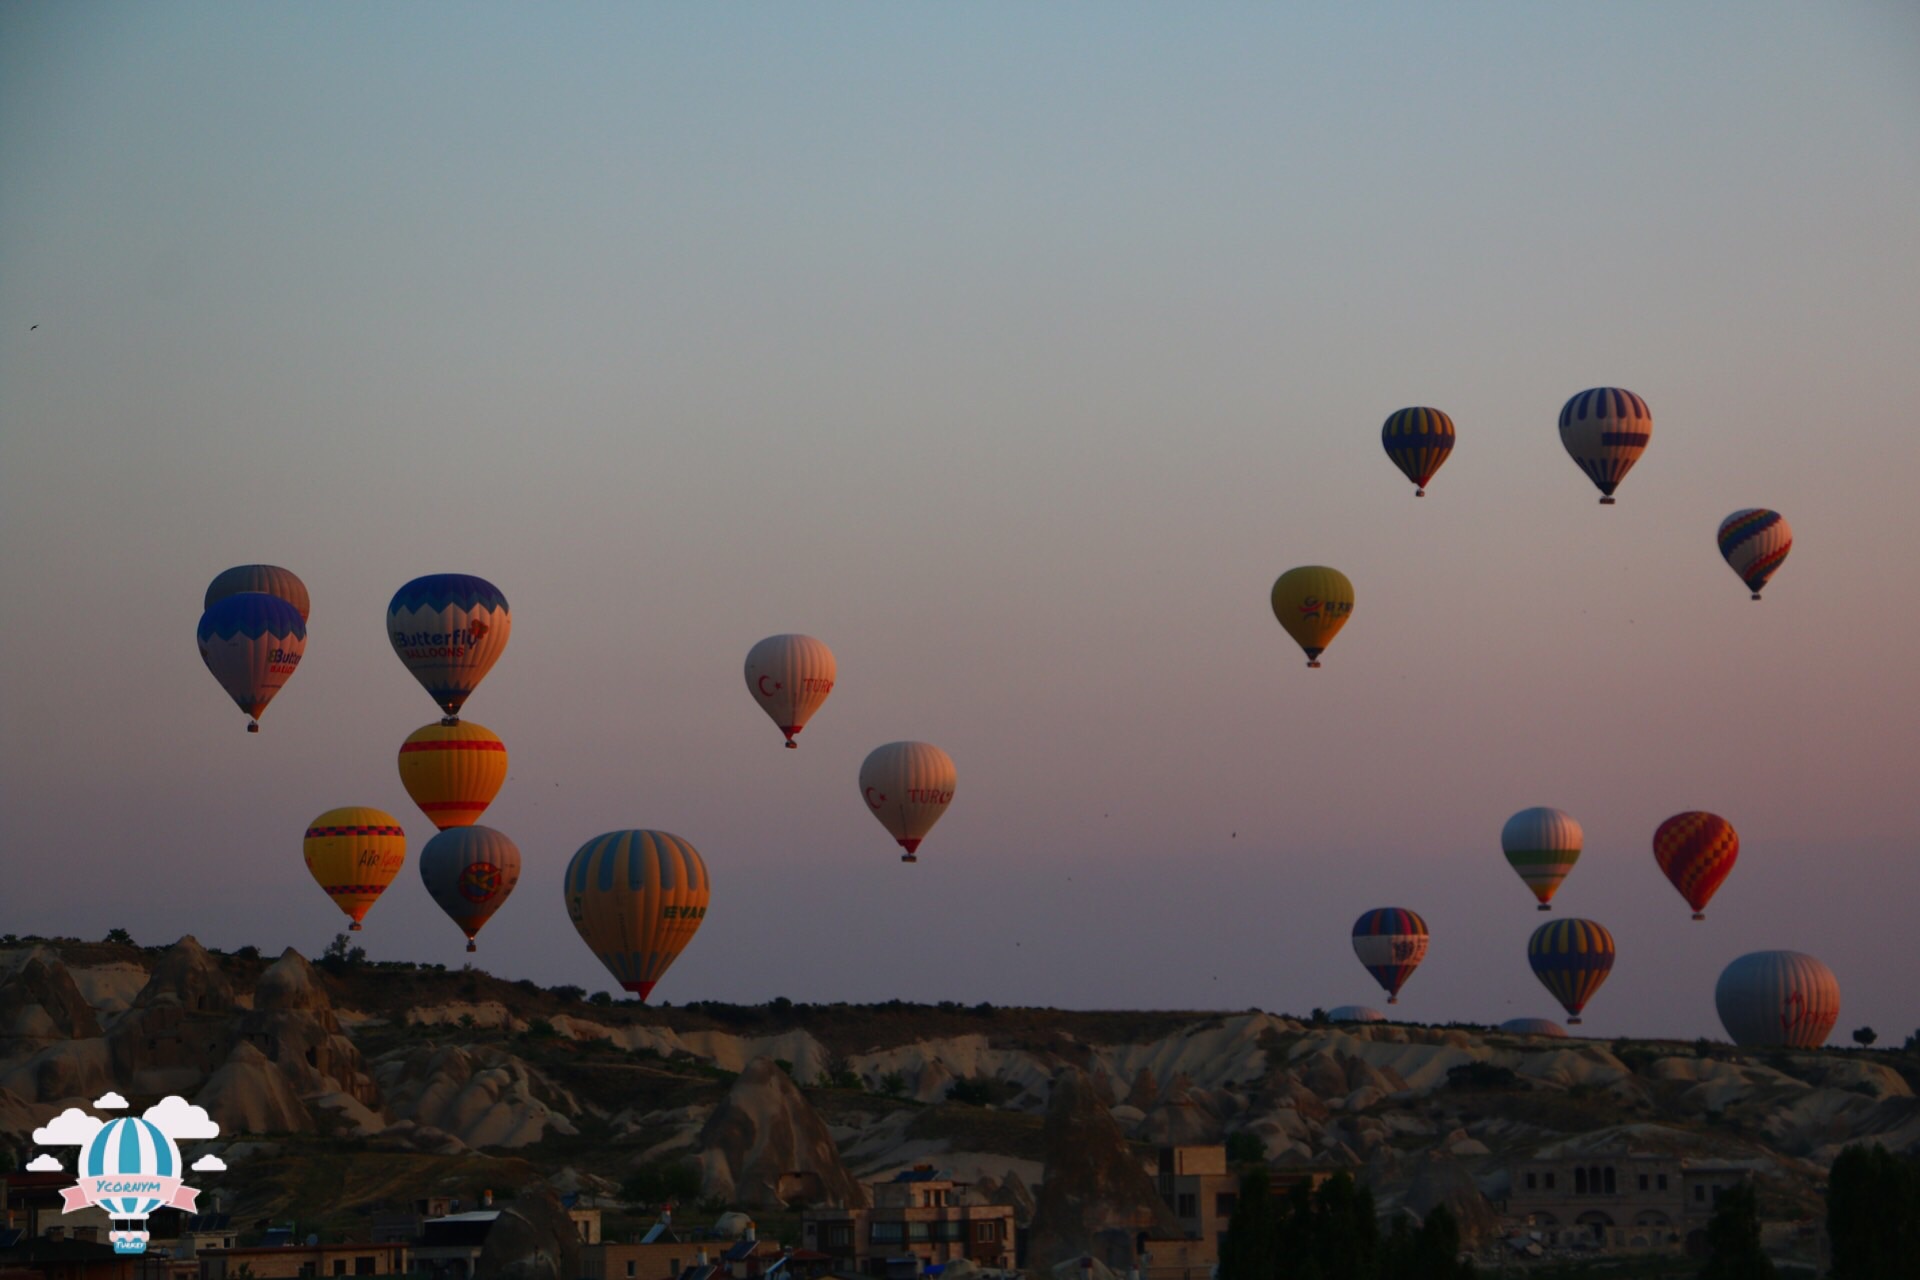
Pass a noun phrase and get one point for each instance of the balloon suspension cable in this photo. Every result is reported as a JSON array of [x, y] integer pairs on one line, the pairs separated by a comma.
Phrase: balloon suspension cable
[[253, 726]]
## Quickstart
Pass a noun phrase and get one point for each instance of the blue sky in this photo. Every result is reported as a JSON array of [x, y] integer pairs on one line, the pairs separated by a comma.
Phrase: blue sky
[[1013, 351]]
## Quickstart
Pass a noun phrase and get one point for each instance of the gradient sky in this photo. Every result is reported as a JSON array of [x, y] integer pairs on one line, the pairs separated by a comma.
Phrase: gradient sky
[[1013, 350]]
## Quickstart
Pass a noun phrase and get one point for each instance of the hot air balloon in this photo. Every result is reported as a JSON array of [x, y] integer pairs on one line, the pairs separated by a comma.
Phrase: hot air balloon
[[1542, 845], [1354, 1013], [790, 676], [1606, 430], [1391, 942], [453, 771], [1695, 850], [908, 786], [1313, 602], [1418, 441], [470, 870], [1571, 958], [1783, 998], [1534, 1027], [1755, 541], [252, 642], [637, 897], [449, 629], [131, 1152], [268, 578], [354, 853]]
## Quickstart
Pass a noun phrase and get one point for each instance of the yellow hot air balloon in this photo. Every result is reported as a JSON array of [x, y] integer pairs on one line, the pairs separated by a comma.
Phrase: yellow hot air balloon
[[1313, 602], [354, 853], [453, 771], [637, 898], [907, 786]]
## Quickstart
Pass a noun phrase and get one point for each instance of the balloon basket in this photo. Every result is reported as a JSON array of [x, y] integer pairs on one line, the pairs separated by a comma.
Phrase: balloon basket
[[447, 722], [1393, 999], [1419, 493], [354, 927], [1756, 595], [470, 945], [1573, 1022], [907, 857], [794, 746], [1546, 906], [1606, 502], [253, 726], [1699, 915], [1314, 663]]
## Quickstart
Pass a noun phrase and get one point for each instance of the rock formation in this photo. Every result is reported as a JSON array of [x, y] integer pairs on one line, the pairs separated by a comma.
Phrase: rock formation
[[180, 1028], [764, 1129], [293, 1024], [248, 1094], [40, 1004], [482, 1096], [1094, 1189]]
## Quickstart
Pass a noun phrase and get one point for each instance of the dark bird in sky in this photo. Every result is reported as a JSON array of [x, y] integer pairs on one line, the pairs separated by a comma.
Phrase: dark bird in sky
[[32, 327]]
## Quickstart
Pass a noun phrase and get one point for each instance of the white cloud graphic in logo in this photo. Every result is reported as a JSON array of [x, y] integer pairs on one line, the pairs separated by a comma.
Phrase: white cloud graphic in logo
[[181, 1120], [43, 1164], [110, 1101], [209, 1164], [71, 1128]]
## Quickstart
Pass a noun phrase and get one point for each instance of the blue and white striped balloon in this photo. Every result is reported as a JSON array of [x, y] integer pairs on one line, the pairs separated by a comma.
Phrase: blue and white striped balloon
[[131, 1147]]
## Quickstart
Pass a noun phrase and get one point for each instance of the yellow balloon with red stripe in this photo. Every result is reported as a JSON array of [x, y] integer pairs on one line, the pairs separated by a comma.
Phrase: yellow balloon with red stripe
[[354, 853], [453, 771], [1312, 603]]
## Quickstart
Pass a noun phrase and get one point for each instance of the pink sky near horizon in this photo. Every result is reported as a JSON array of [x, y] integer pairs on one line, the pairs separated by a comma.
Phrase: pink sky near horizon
[[1015, 370]]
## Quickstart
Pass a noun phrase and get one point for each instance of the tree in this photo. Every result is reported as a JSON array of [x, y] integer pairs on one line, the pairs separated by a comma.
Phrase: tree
[[1864, 1036], [1873, 1214], [121, 936], [1733, 1239], [342, 954], [1246, 1148], [1252, 1238], [893, 1084]]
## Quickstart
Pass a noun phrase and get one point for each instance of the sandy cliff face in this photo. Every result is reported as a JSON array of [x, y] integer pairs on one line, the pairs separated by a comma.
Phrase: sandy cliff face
[[1095, 1193], [764, 1129], [482, 1096]]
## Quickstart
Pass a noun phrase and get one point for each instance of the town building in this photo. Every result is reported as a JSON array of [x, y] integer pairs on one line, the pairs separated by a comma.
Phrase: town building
[[1202, 1190], [303, 1261], [1618, 1201], [918, 1217]]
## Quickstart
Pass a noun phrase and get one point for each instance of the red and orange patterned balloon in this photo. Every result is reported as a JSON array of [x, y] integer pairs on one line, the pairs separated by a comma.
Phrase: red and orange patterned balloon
[[1696, 850]]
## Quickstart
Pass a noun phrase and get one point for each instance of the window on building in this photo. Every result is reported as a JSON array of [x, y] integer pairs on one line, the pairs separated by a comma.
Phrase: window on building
[[1223, 1203], [948, 1230], [1579, 1182], [1643, 1182], [308, 1269], [1188, 1207], [919, 1231], [986, 1231], [1611, 1188], [1660, 1181], [632, 1268], [840, 1233], [363, 1266], [1549, 1181], [887, 1232], [339, 1266], [1531, 1181]]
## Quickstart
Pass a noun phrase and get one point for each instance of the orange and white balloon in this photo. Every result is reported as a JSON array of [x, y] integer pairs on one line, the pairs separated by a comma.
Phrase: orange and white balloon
[[907, 786], [790, 676]]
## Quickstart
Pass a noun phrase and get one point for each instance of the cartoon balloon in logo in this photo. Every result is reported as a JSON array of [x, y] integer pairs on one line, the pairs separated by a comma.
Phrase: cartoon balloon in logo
[[1391, 942], [1542, 844], [1418, 441], [1695, 851], [1778, 998], [907, 786], [470, 870], [252, 642], [453, 771], [449, 629], [1571, 958], [1606, 430], [790, 676], [133, 1152], [270, 579], [1754, 542], [354, 853], [1312, 603], [637, 898]]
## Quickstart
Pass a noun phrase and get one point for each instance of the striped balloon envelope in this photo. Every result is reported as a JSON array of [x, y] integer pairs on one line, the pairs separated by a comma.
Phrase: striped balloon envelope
[[1606, 430], [354, 853], [907, 786], [470, 870], [252, 642], [1542, 845], [449, 629], [1312, 603], [637, 898], [1572, 958], [129, 1150], [1754, 542], [1418, 441], [453, 771], [270, 579], [1778, 998], [789, 676], [1695, 851], [1391, 942]]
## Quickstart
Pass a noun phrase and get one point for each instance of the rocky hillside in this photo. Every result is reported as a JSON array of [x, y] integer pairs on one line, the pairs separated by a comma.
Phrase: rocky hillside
[[368, 1085]]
